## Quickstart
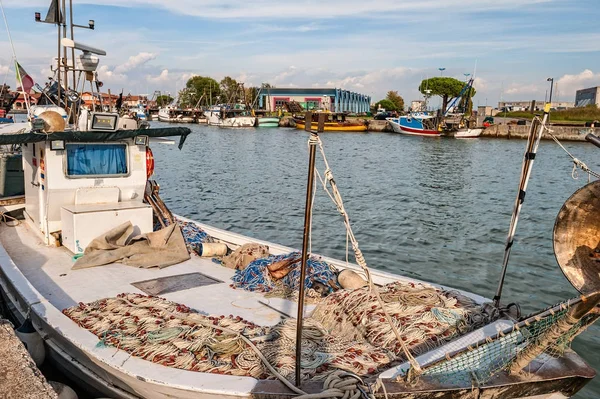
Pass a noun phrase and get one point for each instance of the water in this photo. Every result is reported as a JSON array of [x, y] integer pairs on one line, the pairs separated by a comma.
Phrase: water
[[433, 209]]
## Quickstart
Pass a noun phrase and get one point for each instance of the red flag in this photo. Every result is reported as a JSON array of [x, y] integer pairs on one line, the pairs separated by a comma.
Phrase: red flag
[[24, 79]]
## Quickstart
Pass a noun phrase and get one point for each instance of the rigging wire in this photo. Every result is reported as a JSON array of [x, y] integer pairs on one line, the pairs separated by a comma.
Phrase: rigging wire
[[14, 56]]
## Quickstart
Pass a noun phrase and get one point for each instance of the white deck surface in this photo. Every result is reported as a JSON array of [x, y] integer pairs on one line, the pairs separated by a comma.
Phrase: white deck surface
[[48, 269]]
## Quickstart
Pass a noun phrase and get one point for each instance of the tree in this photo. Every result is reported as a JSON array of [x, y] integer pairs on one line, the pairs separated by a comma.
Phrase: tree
[[395, 98], [230, 89], [163, 100], [444, 87], [203, 86], [385, 104]]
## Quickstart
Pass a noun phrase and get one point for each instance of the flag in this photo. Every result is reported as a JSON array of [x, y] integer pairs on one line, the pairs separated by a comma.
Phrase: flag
[[54, 15], [23, 79]]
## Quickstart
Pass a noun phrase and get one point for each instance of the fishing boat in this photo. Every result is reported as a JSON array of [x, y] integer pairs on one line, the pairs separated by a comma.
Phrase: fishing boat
[[468, 133], [229, 115], [457, 118], [175, 114], [334, 122], [416, 124]]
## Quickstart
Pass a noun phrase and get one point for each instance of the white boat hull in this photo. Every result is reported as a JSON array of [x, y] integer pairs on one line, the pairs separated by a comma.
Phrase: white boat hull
[[468, 133]]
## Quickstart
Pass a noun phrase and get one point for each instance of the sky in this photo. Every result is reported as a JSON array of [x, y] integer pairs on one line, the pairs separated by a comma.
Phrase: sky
[[370, 47]]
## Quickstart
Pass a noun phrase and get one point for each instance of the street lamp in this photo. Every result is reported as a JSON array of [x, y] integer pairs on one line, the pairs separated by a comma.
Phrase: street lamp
[[551, 80], [442, 71]]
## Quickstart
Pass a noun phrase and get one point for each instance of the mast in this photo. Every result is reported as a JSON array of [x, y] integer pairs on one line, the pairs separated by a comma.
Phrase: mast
[[533, 141], [72, 38], [305, 239]]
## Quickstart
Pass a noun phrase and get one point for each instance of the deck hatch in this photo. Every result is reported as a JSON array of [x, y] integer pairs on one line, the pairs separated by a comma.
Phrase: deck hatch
[[180, 282]]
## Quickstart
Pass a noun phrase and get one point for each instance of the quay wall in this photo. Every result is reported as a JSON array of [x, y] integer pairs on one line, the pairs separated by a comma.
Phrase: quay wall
[[566, 133], [20, 377]]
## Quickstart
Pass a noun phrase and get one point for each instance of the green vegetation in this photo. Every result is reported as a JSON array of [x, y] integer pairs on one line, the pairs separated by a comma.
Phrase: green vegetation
[[444, 87], [199, 86], [163, 100], [396, 99], [385, 104], [580, 114]]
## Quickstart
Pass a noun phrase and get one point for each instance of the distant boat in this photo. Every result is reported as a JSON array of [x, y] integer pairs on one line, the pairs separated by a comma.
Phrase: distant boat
[[334, 122], [416, 124], [229, 116], [175, 115], [268, 121], [468, 133]]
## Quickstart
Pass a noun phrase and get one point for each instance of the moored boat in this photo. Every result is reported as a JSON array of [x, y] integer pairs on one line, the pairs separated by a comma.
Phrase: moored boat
[[227, 115], [268, 121], [334, 122], [468, 133], [416, 124], [173, 114]]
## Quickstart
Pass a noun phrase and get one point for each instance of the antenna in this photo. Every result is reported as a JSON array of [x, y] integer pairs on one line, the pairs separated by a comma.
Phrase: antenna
[[80, 46]]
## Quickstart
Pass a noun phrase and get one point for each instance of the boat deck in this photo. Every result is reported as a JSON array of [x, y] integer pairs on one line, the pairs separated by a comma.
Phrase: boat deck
[[48, 269]]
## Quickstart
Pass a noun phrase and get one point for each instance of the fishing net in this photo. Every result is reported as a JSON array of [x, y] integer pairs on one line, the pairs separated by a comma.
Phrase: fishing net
[[510, 351], [425, 316], [171, 334], [256, 277]]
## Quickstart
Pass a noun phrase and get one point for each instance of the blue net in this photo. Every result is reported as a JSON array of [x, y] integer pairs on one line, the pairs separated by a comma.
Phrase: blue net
[[256, 277]]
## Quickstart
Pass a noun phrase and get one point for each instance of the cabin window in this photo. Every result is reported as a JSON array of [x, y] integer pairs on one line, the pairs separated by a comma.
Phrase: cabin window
[[313, 105], [84, 160]]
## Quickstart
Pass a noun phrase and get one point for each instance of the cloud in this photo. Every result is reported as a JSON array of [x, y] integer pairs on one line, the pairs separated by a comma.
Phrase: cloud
[[523, 89], [163, 77], [135, 61], [234, 9], [569, 84], [106, 75]]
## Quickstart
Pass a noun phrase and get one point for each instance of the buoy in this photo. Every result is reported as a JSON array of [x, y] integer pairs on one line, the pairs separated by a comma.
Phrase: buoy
[[32, 341], [53, 121], [62, 390], [350, 280], [209, 249]]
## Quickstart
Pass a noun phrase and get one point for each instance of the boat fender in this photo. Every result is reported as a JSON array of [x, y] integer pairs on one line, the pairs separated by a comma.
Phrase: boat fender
[[350, 280], [32, 341], [62, 390], [211, 249]]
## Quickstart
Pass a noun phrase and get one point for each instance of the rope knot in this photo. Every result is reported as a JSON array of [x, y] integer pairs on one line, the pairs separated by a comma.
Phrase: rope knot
[[314, 139]]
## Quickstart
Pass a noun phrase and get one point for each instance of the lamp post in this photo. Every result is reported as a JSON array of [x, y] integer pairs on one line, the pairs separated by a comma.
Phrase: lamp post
[[442, 71], [551, 80]]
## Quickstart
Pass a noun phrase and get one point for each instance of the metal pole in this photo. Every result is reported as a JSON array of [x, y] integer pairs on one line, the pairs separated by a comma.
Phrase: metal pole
[[551, 86], [535, 135], [72, 38], [305, 239], [59, 53], [65, 60]]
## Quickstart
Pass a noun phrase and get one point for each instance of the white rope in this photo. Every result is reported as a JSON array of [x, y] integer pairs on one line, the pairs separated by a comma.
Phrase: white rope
[[336, 197]]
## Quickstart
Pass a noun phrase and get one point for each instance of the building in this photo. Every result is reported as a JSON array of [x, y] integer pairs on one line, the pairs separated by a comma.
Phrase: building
[[538, 105], [587, 97], [335, 100]]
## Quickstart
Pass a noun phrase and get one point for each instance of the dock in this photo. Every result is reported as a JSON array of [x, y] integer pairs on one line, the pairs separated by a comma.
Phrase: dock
[[20, 376]]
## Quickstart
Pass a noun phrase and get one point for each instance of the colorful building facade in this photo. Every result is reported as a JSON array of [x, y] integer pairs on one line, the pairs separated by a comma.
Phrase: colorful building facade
[[331, 99]]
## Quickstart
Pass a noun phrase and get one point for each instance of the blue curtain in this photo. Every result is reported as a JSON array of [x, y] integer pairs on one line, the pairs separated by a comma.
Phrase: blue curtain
[[96, 159]]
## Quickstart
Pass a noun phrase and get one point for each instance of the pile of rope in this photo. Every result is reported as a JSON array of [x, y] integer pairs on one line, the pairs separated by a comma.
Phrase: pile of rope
[[321, 277], [171, 334], [426, 317]]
